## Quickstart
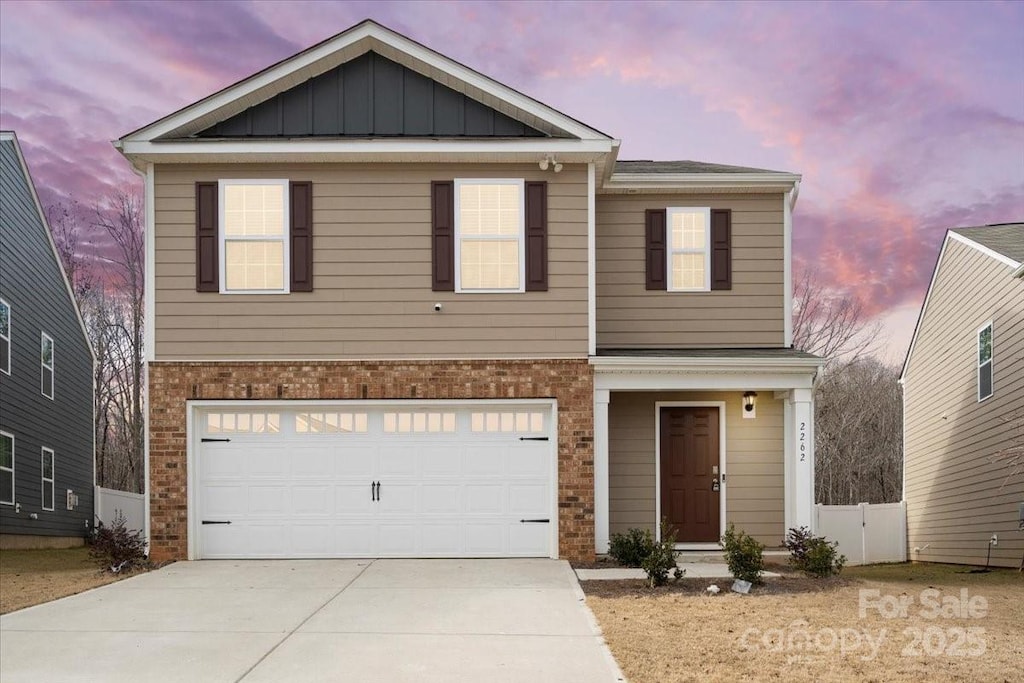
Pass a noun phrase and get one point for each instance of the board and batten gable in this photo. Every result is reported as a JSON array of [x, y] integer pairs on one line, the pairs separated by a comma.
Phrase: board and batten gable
[[957, 494], [749, 315], [33, 284], [372, 294]]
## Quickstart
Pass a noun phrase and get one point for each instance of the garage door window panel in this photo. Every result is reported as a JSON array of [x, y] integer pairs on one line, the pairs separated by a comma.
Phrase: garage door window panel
[[243, 423], [331, 423]]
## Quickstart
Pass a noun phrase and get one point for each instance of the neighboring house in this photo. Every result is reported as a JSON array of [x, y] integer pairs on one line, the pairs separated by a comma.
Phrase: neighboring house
[[397, 308], [46, 380], [963, 382]]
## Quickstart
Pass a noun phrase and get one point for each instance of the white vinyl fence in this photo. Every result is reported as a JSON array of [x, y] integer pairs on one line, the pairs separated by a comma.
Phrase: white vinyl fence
[[866, 533], [131, 505]]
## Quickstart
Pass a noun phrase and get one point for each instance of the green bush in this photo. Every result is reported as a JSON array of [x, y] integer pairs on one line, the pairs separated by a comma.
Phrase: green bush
[[630, 549], [813, 555], [744, 555], [662, 558], [117, 548]]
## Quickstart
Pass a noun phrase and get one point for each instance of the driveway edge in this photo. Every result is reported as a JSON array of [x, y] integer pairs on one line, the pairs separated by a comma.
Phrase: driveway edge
[[594, 625]]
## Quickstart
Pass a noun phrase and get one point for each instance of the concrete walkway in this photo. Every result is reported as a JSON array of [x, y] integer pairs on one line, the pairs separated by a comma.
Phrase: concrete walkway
[[694, 570], [317, 620]]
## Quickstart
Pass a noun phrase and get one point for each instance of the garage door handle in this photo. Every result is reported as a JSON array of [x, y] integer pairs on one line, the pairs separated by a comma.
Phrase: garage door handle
[[378, 490], [534, 521], [211, 521]]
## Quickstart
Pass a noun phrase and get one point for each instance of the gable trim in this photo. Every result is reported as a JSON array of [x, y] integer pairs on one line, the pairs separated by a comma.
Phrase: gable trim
[[12, 137], [1002, 258], [373, 35], [938, 263]]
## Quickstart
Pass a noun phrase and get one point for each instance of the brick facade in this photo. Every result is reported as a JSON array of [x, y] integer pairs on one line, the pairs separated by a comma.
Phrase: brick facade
[[172, 385]]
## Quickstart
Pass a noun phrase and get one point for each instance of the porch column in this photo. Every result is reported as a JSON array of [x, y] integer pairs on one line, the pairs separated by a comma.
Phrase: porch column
[[800, 459], [601, 398]]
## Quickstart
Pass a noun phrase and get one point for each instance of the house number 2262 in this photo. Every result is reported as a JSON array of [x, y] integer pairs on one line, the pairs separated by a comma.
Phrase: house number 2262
[[803, 441]]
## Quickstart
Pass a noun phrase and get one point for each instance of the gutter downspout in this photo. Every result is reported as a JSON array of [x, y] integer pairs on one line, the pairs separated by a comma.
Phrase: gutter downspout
[[788, 203], [147, 176]]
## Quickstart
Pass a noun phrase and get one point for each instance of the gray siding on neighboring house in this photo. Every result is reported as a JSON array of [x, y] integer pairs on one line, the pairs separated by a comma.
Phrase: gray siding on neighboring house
[[751, 314], [32, 283], [372, 291], [370, 95], [753, 456], [957, 497]]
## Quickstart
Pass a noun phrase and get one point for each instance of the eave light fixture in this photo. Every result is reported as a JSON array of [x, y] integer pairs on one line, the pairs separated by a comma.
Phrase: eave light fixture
[[550, 162], [749, 403]]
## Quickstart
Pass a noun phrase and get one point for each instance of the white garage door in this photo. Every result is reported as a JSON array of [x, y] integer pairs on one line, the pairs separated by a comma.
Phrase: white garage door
[[375, 481]]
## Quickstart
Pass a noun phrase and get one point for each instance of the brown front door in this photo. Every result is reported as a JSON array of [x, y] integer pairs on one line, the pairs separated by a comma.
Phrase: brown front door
[[689, 473]]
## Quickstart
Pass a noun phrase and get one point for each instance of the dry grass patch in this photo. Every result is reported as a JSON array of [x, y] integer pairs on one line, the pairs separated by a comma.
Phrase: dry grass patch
[[799, 629], [32, 577]]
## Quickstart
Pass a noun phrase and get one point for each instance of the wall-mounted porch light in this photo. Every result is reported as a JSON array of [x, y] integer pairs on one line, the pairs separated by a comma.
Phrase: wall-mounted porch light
[[750, 404]]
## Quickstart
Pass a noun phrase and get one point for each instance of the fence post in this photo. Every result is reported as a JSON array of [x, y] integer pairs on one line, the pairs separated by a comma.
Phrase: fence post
[[863, 532]]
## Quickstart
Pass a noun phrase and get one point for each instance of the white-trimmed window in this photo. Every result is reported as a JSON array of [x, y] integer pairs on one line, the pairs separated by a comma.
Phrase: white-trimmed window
[[253, 236], [5, 337], [490, 215], [689, 249], [47, 467], [46, 365], [985, 388], [6, 468]]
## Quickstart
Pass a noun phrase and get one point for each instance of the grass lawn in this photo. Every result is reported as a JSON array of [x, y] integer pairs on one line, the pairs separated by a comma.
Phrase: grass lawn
[[31, 577], [799, 629]]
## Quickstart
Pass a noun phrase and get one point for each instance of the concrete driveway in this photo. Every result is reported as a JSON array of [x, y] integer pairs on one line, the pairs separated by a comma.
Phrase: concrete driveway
[[316, 620]]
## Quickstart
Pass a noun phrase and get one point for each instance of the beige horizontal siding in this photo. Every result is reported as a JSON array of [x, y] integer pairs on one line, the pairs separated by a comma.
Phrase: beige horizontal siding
[[754, 462], [372, 274], [957, 493], [751, 314]]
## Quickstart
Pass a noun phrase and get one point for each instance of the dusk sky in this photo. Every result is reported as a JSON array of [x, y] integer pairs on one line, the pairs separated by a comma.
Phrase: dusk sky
[[905, 119]]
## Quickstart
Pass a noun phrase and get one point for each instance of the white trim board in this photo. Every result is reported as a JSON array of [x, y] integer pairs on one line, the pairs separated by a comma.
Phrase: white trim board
[[722, 457]]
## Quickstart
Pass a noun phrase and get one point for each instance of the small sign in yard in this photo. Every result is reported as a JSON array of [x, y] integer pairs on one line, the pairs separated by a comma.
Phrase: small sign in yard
[[741, 586]]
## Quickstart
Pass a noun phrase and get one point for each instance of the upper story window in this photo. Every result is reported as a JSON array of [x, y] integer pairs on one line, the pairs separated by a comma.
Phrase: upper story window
[[47, 465], [5, 337], [46, 363], [6, 468], [689, 253], [985, 362], [489, 226], [254, 236]]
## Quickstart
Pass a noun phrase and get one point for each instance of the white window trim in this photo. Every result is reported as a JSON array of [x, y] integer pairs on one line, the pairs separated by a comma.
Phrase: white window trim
[[44, 480], [222, 238], [7, 337], [671, 249], [979, 364], [9, 469], [51, 367], [521, 183]]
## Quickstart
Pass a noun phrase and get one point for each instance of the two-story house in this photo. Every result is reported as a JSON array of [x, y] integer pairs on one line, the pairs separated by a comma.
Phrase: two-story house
[[46, 377], [963, 425], [397, 308]]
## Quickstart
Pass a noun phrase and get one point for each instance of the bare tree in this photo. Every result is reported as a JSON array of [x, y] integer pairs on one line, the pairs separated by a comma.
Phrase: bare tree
[[859, 434], [122, 336], [830, 324], [109, 285]]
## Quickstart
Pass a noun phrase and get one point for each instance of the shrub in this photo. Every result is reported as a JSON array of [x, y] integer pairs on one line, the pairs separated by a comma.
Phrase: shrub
[[630, 549], [813, 555], [117, 548], [744, 555], [662, 558]]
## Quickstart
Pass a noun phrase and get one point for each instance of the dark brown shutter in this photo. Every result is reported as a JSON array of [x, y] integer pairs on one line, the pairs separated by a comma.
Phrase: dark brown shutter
[[656, 249], [442, 206], [537, 236], [721, 249], [207, 279], [301, 234]]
